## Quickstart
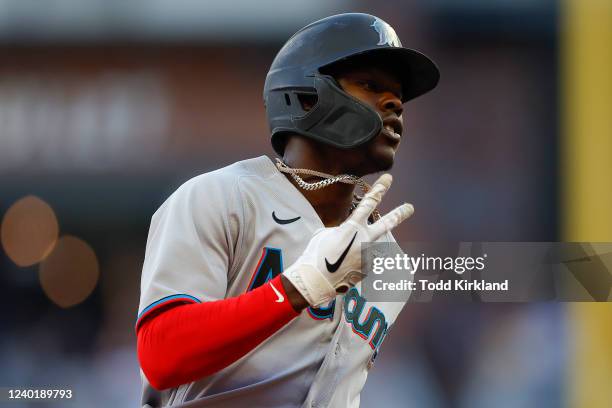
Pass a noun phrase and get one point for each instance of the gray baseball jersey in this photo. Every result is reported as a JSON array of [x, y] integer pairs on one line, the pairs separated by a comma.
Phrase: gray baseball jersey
[[226, 232]]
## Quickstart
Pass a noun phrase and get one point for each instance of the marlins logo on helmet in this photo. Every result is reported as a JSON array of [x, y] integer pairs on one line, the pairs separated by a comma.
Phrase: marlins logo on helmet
[[386, 33]]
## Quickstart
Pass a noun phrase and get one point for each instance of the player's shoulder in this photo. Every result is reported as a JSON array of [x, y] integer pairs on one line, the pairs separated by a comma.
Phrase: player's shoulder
[[227, 176], [218, 187]]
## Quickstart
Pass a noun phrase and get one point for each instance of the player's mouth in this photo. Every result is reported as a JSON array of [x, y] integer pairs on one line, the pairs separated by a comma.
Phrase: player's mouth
[[392, 128]]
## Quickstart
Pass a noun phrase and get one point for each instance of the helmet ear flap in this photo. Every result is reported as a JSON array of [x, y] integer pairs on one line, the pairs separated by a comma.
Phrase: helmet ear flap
[[338, 118]]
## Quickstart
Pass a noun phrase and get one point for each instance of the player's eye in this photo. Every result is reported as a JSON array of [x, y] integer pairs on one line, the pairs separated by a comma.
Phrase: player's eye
[[375, 87], [368, 85]]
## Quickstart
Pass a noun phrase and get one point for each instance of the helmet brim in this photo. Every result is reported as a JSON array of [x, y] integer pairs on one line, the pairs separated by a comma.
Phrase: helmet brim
[[417, 72]]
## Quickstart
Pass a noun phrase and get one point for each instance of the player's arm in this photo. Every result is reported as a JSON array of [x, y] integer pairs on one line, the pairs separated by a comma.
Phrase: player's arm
[[188, 342]]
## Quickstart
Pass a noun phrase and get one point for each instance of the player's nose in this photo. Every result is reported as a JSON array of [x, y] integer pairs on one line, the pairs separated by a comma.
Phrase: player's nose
[[390, 103]]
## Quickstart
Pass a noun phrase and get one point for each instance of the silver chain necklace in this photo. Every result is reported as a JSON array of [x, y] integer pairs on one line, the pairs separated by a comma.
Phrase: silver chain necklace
[[328, 180]]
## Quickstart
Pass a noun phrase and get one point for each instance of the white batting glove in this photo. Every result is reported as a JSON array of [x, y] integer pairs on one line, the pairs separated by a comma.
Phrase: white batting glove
[[332, 259]]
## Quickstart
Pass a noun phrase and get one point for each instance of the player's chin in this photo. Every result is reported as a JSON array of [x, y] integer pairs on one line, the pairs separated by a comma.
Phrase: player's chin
[[382, 154]]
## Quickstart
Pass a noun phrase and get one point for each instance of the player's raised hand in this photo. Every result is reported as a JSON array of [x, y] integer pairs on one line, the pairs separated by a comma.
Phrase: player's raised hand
[[332, 258], [369, 202]]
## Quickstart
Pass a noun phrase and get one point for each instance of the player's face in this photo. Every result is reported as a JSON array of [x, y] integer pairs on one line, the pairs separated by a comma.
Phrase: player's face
[[381, 90]]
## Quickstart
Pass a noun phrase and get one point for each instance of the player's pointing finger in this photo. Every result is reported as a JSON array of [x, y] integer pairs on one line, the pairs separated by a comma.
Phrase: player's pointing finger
[[391, 220], [371, 199]]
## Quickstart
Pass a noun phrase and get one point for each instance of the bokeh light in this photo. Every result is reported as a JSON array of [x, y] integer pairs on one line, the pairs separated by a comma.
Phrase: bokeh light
[[70, 273], [29, 231]]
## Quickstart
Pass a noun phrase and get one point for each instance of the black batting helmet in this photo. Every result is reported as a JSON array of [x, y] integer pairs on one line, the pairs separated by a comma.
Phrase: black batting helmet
[[337, 118]]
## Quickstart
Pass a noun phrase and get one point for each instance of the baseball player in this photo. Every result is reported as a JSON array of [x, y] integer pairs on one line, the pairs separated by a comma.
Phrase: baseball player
[[250, 291]]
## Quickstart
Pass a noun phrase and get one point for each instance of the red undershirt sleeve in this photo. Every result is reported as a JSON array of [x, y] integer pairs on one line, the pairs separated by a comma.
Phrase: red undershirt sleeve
[[191, 341]]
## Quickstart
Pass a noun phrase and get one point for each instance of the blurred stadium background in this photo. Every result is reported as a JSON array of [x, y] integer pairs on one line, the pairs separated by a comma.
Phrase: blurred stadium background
[[107, 106]]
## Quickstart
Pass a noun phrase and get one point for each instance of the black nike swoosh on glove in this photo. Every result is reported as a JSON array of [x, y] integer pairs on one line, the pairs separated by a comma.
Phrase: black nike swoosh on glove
[[334, 267]]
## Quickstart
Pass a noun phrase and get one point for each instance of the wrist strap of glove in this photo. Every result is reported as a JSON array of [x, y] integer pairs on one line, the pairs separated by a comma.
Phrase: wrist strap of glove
[[311, 284]]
